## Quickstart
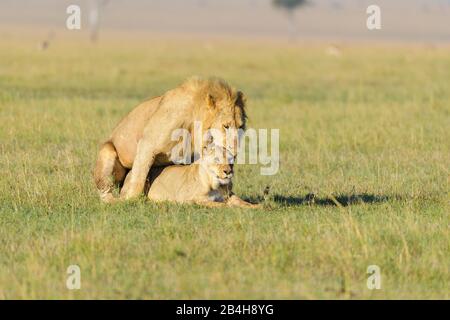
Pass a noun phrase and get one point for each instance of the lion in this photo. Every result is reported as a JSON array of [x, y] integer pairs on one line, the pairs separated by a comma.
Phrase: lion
[[206, 182], [142, 139]]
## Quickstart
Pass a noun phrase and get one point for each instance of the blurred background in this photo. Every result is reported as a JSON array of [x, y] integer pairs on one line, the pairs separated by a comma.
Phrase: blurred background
[[424, 21]]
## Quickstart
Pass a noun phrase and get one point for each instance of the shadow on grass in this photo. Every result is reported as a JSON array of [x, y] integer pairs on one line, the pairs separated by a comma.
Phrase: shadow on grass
[[342, 200]]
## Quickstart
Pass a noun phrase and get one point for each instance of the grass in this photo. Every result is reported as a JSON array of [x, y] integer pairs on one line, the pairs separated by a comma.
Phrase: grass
[[367, 133]]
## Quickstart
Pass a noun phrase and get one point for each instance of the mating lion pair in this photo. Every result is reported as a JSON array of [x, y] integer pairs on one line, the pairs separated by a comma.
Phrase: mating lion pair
[[137, 154]]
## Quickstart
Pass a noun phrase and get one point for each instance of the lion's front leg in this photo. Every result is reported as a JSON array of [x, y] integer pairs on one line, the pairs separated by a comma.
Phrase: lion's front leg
[[135, 181], [157, 139], [210, 203], [235, 201]]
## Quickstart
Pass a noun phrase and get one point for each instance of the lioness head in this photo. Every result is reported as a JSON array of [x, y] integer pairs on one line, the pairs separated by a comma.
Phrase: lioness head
[[219, 164], [222, 110]]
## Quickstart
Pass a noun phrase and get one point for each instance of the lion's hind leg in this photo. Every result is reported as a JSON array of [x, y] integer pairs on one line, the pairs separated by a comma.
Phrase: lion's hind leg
[[108, 172]]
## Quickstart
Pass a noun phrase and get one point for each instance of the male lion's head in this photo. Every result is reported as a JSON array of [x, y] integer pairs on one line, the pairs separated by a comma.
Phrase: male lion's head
[[222, 110]]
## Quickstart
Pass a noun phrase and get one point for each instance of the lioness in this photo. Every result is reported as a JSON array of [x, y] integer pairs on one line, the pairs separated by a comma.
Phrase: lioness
[[206, 182], [143, 138]]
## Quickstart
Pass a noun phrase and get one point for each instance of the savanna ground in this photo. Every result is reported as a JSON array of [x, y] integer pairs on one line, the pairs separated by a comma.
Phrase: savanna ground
[[367, 133]]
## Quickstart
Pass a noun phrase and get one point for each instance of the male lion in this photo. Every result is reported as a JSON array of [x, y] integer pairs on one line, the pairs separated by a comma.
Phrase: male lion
[[206, 182], [143, 138]]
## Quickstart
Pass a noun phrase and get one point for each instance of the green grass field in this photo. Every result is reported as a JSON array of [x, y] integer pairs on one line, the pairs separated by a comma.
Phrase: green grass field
[[368, 133]]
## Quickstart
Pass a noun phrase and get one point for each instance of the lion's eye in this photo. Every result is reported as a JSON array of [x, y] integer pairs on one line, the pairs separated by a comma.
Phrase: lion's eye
[[226, 126]]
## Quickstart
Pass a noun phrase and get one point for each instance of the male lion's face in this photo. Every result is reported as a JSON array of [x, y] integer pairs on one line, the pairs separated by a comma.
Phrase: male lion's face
[[225, 126]]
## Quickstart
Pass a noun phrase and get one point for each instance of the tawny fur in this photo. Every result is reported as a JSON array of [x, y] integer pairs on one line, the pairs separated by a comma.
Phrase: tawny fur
[[142, 139], [205, 182]]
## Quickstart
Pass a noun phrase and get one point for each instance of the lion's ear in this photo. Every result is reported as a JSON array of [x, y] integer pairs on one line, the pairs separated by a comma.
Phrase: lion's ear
[[241, 100], [210, 101]]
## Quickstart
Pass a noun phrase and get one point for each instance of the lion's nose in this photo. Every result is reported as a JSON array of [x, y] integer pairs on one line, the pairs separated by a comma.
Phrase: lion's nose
[[228, 170]]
